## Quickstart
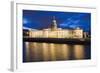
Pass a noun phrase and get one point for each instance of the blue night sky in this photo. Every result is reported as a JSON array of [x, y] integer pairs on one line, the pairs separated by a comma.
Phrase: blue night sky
[[66, 20]]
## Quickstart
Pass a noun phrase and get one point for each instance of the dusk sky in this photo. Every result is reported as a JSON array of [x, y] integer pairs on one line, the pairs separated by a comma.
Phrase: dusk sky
[[66, 20]]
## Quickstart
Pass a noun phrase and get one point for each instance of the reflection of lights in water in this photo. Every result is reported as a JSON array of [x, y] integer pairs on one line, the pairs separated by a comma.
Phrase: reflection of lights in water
[[34, 51], [27, 51], [58, 51], [45, 51], [52, 52], [79, 51], [65, 51]]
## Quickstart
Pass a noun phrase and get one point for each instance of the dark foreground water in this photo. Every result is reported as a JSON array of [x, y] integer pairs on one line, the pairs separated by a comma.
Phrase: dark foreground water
[[35, 52]]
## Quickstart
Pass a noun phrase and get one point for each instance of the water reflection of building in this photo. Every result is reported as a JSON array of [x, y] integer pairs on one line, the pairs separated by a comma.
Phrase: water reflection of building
[[53, 52], [55, 32]]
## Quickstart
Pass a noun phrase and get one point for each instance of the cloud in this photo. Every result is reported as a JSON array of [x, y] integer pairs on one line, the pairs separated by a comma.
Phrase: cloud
[[26, 21], [70, 22]]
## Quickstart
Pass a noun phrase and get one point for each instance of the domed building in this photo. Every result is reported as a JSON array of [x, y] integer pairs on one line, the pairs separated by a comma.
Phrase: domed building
[[55, 32]]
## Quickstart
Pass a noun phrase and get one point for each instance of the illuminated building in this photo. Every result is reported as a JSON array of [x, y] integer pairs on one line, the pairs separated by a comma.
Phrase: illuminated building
[[55, 32]]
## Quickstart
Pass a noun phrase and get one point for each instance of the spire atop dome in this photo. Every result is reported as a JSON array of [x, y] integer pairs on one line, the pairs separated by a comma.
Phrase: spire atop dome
[[54, 24]]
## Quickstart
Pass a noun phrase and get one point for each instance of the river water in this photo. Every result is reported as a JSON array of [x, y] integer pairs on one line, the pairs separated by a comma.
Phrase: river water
[[38, 52]]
